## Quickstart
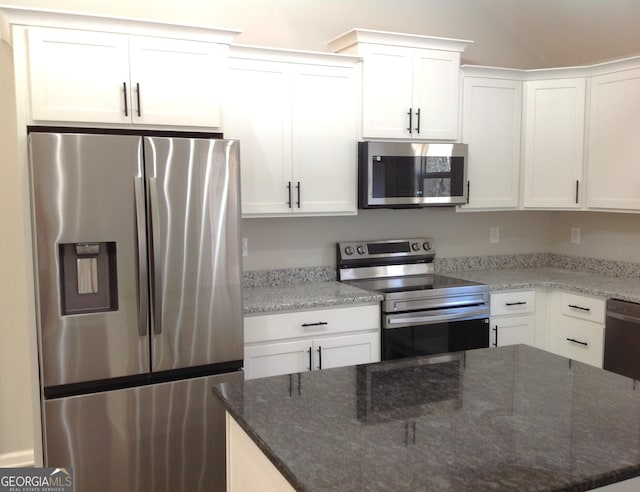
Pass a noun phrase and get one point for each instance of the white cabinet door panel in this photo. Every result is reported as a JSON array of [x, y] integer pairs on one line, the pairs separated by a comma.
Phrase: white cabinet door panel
[[324, 134], [492, 121], [435, 93], [78, 76], [258, 114], [614, 141], [512, 331], [553, 146], [179, 82], [387, 91], [346, 350], [274, 359]]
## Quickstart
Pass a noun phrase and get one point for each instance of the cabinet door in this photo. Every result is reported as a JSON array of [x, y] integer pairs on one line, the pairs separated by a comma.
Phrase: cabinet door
[[435, 94], [273, 359], [512, 331], [323, 112], [614, 141], [176, 82], [257, 112], [78, 76], [346, 350], [494, 142], [553, 143], [386, 91]]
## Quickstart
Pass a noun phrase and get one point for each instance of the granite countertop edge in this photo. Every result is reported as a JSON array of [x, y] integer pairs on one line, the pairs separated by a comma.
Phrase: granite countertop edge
[[258, 441], [316, 295]]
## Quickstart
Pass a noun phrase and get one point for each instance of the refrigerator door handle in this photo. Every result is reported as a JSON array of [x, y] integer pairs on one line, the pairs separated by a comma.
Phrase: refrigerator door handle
[[154, 269], [143, 271]]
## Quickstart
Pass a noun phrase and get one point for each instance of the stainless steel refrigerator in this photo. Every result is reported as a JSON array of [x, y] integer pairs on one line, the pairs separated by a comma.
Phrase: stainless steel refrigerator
[[139, 304]]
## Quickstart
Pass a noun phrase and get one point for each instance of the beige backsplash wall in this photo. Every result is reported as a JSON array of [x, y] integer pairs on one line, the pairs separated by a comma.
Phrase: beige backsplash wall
[[297, 242], [611, 236]]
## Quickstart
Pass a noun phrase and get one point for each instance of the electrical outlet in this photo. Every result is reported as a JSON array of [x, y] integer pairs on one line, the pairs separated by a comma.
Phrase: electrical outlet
[[245, 246], [575, 235], [494, 234]]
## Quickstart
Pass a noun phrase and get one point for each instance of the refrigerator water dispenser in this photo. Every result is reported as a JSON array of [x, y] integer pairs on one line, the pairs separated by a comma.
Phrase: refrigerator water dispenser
[[88, 277]]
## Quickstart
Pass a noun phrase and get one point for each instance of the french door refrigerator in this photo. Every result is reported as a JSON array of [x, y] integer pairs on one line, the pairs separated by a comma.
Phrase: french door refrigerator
[[138, 276]]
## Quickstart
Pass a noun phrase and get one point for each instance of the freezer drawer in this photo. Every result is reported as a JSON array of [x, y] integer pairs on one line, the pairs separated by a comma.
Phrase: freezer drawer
[[162, 437]]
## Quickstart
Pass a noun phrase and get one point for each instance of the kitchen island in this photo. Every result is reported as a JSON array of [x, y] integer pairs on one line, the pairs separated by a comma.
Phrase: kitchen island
[[509, 418]]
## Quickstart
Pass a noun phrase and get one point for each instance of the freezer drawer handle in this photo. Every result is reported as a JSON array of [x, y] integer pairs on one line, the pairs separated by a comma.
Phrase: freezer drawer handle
[[519, 303], [577, 341], [319, 323], [573, 306]]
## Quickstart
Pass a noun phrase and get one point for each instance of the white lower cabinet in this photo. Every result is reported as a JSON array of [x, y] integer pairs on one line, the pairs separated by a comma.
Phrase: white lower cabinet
[[512, 318], [293, 342], [576, 327]]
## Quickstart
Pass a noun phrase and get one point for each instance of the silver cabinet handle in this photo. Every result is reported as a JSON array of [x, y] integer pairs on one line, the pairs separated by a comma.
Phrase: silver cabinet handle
[[155, 271], [143, 272]]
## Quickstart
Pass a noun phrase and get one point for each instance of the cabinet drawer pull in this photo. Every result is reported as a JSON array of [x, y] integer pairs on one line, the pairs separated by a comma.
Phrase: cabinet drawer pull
[[138, 99], [310, 361], [319, 357], [418, 127], [410, 113], [126, 105], [518, 303], [319, 323], [289, 191], [495, 344], [577, 341], [298, 188], [573, 306]]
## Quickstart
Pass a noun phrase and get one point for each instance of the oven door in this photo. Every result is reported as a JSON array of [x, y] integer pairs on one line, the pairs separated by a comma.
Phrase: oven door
[[420, 333]]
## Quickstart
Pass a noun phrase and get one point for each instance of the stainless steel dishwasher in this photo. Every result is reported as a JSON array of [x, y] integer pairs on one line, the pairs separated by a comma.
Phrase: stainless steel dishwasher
[[622, 338]]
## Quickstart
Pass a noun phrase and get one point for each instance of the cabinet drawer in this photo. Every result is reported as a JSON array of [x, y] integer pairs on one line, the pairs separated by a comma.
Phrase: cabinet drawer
[[267, 327], [519, 302], [583, 307], [579, 340]]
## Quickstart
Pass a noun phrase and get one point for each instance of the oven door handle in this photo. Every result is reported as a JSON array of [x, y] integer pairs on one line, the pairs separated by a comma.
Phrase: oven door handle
[[455, 314]]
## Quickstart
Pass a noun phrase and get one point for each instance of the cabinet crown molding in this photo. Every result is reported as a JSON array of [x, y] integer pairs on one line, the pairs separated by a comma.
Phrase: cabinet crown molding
[[359, 35], [119, 25], [291, 56]]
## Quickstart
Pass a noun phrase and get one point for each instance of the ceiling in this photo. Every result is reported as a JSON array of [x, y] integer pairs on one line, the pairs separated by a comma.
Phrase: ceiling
[[571, 32]]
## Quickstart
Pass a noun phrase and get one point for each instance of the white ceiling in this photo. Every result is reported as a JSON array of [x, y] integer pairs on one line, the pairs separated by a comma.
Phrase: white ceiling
[[571, 32]]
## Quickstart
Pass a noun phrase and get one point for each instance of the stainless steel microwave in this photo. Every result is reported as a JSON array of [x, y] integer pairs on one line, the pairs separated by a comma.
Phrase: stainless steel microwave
[[411, 175]]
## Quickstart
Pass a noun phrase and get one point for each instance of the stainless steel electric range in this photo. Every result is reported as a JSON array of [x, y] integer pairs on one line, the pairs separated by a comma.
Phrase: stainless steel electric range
[[422, 313]]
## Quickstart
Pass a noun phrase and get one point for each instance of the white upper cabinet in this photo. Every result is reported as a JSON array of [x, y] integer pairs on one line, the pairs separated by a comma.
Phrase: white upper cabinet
[[410, 86], [613, 173], [491, 126], [296, 117], [98, 77], [553, 143]]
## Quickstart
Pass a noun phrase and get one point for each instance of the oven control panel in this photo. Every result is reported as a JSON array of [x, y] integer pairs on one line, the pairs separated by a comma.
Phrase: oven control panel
[[392, 248]]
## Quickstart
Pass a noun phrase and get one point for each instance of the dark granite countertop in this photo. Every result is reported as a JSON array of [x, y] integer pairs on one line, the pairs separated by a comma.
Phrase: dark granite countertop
[[499, 419]]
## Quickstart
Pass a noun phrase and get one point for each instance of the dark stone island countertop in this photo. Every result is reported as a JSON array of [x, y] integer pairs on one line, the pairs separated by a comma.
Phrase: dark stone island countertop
[[512, 418]]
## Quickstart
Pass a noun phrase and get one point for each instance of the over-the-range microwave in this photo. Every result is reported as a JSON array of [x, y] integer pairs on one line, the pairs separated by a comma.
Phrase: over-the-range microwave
[[411, 174]]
